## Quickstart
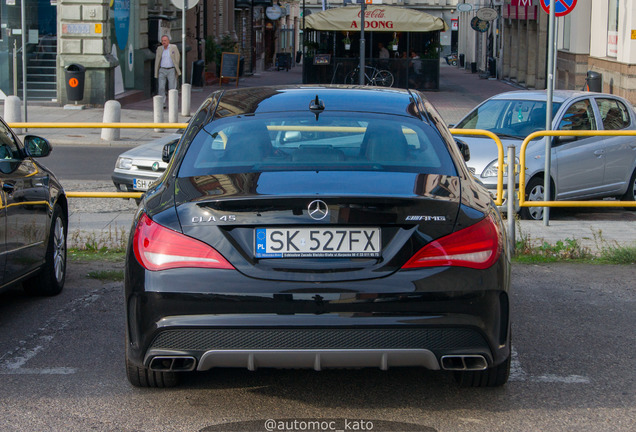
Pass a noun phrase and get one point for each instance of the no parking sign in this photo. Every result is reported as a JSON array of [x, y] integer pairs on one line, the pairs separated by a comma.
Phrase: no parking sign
[[561, 7]]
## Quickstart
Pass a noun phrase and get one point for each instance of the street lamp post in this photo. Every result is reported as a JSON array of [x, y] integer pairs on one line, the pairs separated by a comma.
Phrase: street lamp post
[[363, 8], [252, 38]]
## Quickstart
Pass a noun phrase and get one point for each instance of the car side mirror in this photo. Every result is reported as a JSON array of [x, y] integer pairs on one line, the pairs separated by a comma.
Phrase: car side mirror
[[168, 151], [37, 147], [560, 140], [464, 149]]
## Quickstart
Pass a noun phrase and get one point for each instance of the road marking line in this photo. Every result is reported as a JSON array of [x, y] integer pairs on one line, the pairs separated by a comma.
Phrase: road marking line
[[12, 362], [48, 371]]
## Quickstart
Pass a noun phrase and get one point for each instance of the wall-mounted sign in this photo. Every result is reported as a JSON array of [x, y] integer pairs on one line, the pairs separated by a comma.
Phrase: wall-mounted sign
[[121, 15], [464, 7], [487, 14], [131, 57], [479, 25], [273, 12], [76, 29], [322, 59], [181, 3]]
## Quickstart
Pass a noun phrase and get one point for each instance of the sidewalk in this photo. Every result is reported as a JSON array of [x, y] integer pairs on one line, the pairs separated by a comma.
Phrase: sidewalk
[[105, 220]]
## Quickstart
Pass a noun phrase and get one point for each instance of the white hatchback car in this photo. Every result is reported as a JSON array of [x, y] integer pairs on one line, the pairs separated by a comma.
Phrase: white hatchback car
[[137, 168], [581, 168]]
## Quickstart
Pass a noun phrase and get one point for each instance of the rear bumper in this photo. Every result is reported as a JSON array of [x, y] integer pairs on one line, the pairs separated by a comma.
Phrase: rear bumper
[[128, 179], [221, 318], [474, 326], [317, 348]]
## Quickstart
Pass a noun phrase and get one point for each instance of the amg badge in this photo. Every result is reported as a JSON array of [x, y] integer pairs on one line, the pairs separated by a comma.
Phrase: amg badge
[[426, 218]]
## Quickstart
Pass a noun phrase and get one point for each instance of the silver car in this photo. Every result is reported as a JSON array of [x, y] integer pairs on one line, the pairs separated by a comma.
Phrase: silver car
[[581, 168], [137, 168]]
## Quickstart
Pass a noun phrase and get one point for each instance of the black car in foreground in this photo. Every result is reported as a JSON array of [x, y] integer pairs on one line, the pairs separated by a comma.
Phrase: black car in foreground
[[33, 217], [317, 227]]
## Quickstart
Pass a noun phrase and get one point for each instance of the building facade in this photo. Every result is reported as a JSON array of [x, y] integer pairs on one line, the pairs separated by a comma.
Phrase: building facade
[[597, 35]]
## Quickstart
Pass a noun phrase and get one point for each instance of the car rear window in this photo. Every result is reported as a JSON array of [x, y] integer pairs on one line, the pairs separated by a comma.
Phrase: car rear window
[[329, 141]]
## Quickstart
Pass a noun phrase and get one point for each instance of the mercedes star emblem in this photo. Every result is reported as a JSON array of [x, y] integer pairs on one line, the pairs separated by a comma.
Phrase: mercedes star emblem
[[318, 210]]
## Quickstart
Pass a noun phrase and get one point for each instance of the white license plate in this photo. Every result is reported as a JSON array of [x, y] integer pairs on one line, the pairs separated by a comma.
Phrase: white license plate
[[317, 242], [141, 184]]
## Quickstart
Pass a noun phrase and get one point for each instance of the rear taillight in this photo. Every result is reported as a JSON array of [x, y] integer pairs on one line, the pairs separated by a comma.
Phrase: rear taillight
[[159, 248], [477, 246]]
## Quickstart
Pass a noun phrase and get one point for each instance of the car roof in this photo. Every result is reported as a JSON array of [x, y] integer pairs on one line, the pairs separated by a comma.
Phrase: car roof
[[541, 95], [290, 98]]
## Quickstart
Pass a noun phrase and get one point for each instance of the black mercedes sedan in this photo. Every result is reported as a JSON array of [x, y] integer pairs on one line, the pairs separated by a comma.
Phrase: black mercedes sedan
[[33, 217], [317, 227]]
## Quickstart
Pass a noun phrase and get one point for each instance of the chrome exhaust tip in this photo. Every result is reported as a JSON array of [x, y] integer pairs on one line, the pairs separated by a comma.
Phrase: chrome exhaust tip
[[173, 364], [464, 362]]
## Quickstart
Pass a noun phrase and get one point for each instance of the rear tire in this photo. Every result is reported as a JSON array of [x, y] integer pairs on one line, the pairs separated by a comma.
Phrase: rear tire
[[50, 279], [495, 376], [630, 195], [534, 192], [144, 377]]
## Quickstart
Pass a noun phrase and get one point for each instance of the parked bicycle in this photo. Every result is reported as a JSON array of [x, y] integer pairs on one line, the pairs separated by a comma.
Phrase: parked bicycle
[[372, 76]]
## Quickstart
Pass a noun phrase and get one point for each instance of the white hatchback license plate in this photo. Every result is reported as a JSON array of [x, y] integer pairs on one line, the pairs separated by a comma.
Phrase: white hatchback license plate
[[317, 242], [141, 184]]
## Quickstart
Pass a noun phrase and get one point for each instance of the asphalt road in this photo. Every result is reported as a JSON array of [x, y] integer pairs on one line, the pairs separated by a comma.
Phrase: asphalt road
[[83, 163], [61, 369]]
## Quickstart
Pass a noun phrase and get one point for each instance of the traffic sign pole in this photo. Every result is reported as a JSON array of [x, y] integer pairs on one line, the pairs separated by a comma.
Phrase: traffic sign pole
[[183, 43], [548, 115]]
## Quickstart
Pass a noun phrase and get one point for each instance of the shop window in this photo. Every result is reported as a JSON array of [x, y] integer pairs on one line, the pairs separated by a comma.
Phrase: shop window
[[612, 29]]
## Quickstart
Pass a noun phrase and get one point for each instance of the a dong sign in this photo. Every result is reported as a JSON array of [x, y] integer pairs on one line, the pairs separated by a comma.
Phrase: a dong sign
[[561, 7]]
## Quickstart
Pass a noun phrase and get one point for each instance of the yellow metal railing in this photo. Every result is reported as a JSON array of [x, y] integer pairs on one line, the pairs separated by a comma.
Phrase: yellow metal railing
[[98, 125], [500, 156], [522, 174], [104, 194], [470, 132], [95, 125]]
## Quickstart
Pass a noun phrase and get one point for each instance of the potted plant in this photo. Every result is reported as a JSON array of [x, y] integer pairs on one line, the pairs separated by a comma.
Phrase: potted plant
[[394, 43], [431, 51], [312, 47], [347, 42], [211, 56], [211, 50]]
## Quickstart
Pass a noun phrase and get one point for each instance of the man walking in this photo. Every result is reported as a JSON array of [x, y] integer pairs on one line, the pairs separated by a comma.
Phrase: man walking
[[167, 66]]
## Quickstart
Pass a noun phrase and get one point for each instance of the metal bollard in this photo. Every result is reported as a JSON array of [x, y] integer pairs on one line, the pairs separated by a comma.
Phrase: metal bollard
[[112, 114], [157, 110], [173, 106], [511, 199], [12, 114], [186, 98]]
